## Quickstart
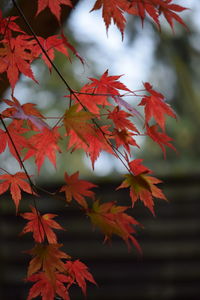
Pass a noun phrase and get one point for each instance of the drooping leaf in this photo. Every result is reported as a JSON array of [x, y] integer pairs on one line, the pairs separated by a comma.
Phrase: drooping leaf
[[44, 288], [79, 273], [169, 10], [77, 189], [47, 258], [16, 183], [161, 138], [156, 107], [112, 10], [112, 219], [53, 5], [45, 144], [41, 226]]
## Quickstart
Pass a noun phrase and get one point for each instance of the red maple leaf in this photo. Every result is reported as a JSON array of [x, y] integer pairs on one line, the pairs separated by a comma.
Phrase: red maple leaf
[[142, 186], [156, 107], [112, 219], [79, 273], [77, 189], [142, 7], [45, 144], [41, 226], [161, 138], [53, 5], [15, 57], [44, 288], [52, 43], [8, 24], [119, 118], [15, 130], [16, 183], [108, 85], [169, 9], [112, 11], [124, 138], [98, 141]]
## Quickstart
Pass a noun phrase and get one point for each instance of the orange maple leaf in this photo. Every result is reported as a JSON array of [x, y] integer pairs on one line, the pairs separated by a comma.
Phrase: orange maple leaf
[[112, 219], [47, 258], [41, 226], [53, 5], [16, 183], [79, 273], [45, 144], [77, 120], [142, 186], [44, 288], [77, 189]]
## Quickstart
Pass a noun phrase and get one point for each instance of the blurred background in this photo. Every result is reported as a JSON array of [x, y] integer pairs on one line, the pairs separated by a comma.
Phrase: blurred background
[[170, 266]]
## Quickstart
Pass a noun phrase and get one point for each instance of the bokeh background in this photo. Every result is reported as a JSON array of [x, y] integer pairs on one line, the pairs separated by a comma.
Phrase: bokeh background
[[170, 265]]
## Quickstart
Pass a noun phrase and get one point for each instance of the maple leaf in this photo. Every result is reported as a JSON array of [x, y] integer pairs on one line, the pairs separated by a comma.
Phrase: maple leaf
[[169, 10], [77, 189], [112, 219], [41, 226], [142, 186], [44, 145], [90, 100], [48, 259], [79, 273], [124, 138], [112, 10], [119, 118], [53, 5], [156, 107], [108, 85], [77, 121], [44, 288], [52, 43], [7, 25], [15, 57], [26, 112], [97, 141], [15, 182], [15, 130], [160, 138]]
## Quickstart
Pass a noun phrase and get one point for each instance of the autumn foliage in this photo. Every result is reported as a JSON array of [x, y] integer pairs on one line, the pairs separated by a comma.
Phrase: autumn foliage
[[97, 118]]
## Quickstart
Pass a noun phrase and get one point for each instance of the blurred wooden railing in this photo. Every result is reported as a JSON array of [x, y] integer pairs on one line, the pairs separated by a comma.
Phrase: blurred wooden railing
[[168, 270]]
